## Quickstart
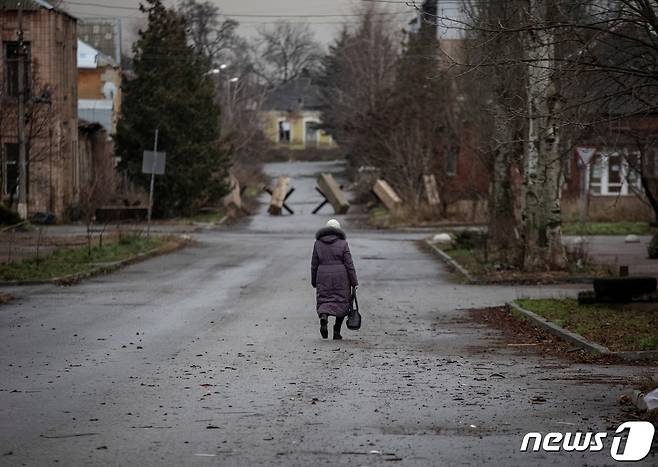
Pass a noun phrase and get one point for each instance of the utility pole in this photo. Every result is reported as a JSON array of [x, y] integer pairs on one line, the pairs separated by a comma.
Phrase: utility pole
[[155, 153], [22, 158]]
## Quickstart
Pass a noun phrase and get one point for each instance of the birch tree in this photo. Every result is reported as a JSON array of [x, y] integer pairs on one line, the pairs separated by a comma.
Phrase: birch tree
[[542, 182]]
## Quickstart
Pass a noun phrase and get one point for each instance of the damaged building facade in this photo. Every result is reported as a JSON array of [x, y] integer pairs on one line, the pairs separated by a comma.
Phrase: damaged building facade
[[56, 171]]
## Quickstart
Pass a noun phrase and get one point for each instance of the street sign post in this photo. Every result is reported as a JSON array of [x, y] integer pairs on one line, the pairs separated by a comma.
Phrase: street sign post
[[153, 163], [585, 155]]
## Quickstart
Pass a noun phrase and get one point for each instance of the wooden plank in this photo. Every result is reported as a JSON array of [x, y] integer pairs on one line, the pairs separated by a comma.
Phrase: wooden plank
[[278, 196], [387, 195], [333, 193], [233, 200], [431, 190]]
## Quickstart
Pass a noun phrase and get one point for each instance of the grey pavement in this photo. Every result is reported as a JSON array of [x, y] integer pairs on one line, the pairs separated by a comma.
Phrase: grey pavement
[[212, 356], [614, 251]]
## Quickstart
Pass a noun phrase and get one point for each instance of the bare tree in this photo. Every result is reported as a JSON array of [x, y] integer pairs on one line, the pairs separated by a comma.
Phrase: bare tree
[[357, 76], [287, 49], [494, 112], [238, 87], [39, 132], [96, 192], [209, 35]]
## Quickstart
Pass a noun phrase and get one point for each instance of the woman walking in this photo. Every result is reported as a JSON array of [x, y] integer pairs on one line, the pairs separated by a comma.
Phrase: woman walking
[[332, 275]]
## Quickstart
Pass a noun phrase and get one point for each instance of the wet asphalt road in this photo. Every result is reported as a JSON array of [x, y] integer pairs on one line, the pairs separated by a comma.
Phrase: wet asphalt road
[[212, 356]]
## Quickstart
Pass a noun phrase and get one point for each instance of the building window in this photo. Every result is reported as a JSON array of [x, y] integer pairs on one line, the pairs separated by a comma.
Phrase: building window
[[614, 173], [311, 134], [452, 155], [11, 56], [10, 169], [284, 131]]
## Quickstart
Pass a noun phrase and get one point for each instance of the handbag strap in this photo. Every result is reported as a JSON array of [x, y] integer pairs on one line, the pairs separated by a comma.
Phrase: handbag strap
[[354, 299]]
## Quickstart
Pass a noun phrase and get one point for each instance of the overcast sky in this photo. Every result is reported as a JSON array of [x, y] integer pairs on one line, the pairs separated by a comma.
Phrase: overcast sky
[[324, 27]]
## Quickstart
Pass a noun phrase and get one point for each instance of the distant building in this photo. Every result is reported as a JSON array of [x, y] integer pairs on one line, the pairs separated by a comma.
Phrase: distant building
[[51, 105], [604, 171], [63, 156], [103, 34], [291, 116], [99, 87]]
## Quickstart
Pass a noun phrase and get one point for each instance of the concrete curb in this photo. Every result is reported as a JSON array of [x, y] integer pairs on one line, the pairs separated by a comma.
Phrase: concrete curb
[[105, 269], [476, 281], [452, 263], [579, 340]]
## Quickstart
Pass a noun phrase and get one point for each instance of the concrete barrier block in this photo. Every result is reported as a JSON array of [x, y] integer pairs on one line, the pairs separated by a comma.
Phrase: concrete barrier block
[[387, 195], [331, 190], [279, 196]]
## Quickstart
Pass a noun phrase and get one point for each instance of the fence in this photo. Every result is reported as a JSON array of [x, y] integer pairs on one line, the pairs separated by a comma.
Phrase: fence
[[24, 241]]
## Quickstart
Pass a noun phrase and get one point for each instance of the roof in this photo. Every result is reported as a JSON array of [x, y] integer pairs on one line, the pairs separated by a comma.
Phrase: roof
[[90, 58], [32, 5], [87, 55], [617, 78], [296, 94]]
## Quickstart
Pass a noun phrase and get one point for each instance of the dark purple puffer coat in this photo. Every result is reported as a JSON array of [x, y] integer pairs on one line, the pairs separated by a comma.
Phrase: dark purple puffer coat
[[332, 272]]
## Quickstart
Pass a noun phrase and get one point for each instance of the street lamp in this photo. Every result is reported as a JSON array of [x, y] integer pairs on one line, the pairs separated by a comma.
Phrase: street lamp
[[230, 97]]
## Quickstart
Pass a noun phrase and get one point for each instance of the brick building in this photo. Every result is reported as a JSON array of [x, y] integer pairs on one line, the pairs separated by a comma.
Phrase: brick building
[[99, 87], [53, 166], [603, 176]]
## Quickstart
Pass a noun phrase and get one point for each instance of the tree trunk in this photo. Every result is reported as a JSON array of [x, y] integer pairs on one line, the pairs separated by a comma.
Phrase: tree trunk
[[555, 255], [647, 185], [541, 216], [501, 201]]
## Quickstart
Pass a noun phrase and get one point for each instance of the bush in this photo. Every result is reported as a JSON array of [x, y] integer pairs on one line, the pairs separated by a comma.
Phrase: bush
[[653, 247], [469, 240]]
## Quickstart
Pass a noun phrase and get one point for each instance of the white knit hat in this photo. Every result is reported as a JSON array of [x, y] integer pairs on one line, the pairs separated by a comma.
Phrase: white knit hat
[[333, 223]]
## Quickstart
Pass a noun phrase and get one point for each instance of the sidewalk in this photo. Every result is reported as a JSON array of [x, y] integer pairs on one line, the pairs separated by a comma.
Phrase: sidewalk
[[615, 251]]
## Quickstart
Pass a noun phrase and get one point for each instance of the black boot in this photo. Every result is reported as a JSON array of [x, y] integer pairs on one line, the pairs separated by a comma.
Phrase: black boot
[[337, 325], [323, 326]]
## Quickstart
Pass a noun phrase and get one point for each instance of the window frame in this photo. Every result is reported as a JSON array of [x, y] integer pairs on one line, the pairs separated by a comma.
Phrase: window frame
[[626, 185], [11, 83]]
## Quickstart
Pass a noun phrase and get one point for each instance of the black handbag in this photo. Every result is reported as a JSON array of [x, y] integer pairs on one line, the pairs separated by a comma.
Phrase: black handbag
[[354, 317]]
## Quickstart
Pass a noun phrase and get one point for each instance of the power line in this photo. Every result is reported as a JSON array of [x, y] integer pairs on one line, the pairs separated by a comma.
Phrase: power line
[[256, 15], [133, 17]]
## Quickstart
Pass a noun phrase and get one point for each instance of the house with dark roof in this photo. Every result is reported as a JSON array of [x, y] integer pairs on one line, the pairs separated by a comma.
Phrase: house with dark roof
[[291, 116], [613, 166]]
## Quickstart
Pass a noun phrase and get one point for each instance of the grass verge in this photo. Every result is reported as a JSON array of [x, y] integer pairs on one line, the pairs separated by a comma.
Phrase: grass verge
[[492, 270], [622, 327], [68, 261], [607, 228]]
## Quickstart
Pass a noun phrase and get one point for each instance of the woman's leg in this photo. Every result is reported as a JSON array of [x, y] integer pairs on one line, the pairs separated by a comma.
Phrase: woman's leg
[[337, 326], [323, 326]]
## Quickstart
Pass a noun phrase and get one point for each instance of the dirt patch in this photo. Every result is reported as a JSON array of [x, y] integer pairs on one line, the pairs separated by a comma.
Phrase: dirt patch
[[5, 298], [526, 338]]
